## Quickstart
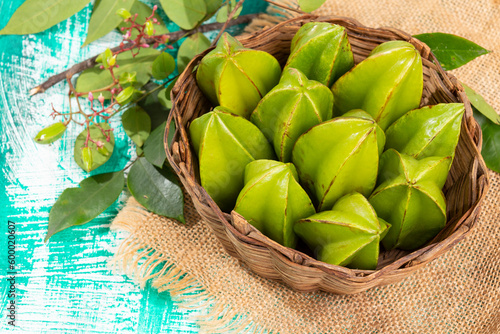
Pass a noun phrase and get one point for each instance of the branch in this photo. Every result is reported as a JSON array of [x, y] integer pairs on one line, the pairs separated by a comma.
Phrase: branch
[[229, 17], [174, 36]]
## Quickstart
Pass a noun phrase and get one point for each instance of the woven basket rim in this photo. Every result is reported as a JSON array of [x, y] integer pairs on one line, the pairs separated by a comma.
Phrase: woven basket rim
[[240, 231]]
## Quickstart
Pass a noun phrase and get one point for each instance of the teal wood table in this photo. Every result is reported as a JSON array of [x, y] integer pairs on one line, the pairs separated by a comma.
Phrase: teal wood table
[[64, 286]]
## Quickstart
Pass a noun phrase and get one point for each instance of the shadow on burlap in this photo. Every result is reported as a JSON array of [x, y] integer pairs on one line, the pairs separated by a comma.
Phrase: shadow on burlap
[[457, 293]]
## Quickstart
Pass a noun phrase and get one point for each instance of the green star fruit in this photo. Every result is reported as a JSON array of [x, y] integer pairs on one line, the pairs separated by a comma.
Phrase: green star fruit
[[348, 235], [237, 77], [291, 108], [338, 157], [225, 143], [321, 51], [409, 197], [428, 131], [387, 84], [272, 200]]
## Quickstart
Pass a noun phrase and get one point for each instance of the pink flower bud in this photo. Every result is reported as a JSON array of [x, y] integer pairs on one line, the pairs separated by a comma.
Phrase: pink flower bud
[[155, 7], [91, 97], [122, 28], [101, 98], [127, 35], [155, 20], [144, 45], [99, 144], [101, 67]]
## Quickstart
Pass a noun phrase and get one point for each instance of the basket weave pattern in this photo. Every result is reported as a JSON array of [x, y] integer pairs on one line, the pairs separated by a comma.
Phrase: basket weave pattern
[[464, 190]]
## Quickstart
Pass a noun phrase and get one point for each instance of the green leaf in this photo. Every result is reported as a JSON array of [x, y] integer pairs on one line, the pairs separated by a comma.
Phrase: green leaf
[[142, 10], [99, 157], [77, 206], [163, 66], [310, 5], [137, 125], [151, 104], [224, 12], [450, 50], [212, 7], [95, 78], [156, 189], [104, 18], [154, 150], [491, 141], [193, 45], [127, 95], [164, 95], [481, 105], [187, 14], [35, 15]]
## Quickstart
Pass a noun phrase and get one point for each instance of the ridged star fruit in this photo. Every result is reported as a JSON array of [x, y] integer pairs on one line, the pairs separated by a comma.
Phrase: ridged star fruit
[[272, 200], [348, 235], [321, 51], [225, 143], [387, 84], [338, 157], [291, 108], [428, 131], [237, 77], [409, 197]]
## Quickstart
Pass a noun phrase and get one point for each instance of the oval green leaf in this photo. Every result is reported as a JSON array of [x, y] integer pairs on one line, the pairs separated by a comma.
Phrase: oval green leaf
[[95, 78], [310, 5], [142, 10], [163, 66], [77, 206], [224, 12], [491, 141], [137, 125], [187, 14], [104, 18], [34, 15], [450, 50], [156, 189], [193, 45], [154, 151], [99, 157], [481, 105]]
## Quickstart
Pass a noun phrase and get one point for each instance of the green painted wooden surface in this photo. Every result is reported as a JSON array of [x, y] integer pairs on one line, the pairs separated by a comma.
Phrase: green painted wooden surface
[[64, 286]]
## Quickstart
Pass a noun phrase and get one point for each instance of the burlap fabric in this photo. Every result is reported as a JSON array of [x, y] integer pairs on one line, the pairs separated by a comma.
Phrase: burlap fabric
[[457, 293]]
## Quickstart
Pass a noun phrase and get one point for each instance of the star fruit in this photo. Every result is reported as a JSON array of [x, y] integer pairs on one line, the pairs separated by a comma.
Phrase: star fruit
[[225, 143], [387, 84], [237, 77], [409, 197], [348, 235], [272, 200], [292, 107], [428, 131], [338, 157], [321, 51]]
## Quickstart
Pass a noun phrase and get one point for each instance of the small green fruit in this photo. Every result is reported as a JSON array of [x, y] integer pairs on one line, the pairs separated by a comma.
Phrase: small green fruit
[[225, 144], [348, 235], [237, 77], [338, 157], [272, 200], [409, 197], [428, 131], [321, 51], [291, 108], [50, 134], [386, 85]]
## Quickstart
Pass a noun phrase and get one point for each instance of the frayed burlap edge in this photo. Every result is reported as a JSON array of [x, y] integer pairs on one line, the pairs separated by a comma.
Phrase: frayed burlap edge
[[143, 263]]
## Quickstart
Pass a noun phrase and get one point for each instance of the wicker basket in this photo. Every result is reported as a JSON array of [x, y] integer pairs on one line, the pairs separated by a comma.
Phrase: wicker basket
[[465, 187]]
